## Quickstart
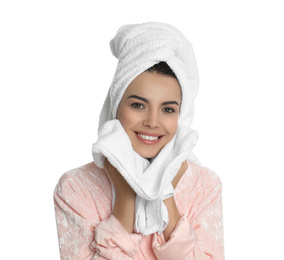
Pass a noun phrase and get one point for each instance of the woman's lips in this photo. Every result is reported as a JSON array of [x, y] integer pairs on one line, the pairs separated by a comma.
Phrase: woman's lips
[[149, 139]]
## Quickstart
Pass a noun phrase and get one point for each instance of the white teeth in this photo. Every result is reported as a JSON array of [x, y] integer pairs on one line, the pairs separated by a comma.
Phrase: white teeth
[[147, 137]]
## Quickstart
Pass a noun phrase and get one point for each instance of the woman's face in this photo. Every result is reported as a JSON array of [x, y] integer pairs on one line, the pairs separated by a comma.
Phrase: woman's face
[[149, 111]]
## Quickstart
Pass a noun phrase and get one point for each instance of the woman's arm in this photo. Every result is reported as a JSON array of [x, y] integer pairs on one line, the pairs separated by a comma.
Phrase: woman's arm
[[198, 234], [76, 216], [82, 232], [114, 237], [124, 207], [173, 212]]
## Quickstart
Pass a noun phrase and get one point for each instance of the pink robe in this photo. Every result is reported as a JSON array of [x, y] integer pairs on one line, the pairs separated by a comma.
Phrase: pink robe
[[87, 229]]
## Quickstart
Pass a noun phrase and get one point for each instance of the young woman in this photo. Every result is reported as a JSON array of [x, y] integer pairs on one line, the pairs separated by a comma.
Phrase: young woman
[[145, 196]]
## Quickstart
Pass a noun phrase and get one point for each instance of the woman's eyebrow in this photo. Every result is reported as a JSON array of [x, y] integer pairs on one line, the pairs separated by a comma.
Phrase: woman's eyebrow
[[147, 101], [140, 98], [170, 103]]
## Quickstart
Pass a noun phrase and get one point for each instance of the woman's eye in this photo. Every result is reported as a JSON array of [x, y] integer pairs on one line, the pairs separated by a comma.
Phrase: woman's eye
[[168, 110], [137, 105]]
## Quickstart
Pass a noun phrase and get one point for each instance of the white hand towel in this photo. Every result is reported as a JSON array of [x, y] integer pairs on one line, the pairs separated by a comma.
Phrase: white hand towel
[[138, 47]]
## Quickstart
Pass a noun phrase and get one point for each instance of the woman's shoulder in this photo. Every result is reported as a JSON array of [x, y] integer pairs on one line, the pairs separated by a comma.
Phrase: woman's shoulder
[[87, 177], [202, 173], [86, 171]]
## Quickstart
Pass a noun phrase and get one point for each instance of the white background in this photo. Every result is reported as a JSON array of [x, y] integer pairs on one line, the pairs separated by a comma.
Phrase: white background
[[55, 70]]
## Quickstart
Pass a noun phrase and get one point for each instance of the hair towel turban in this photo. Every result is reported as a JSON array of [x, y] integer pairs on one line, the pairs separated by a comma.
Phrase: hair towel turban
[[137, 48]]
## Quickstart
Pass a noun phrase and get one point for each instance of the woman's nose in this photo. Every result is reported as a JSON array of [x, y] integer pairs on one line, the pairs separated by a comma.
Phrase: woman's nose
[[152, 120]]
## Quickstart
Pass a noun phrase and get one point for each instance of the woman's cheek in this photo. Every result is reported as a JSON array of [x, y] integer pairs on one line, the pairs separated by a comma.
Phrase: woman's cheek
[[173, 125], [130, 118]]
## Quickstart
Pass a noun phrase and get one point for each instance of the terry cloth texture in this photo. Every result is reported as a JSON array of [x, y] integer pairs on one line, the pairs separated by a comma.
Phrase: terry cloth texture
[[137, 48]]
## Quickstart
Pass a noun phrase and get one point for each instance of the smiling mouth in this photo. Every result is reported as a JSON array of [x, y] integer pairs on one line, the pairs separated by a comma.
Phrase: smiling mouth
[[148, 139]]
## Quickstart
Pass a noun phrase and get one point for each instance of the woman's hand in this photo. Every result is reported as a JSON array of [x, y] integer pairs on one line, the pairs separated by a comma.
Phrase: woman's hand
[[120, 184], [173, 212], [124, 207]]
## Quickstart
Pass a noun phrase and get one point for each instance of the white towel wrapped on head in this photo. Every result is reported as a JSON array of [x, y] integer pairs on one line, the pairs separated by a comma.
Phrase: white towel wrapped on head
[[139, 47]]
